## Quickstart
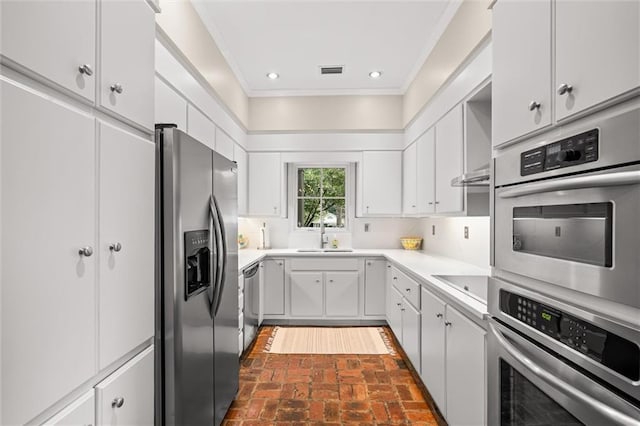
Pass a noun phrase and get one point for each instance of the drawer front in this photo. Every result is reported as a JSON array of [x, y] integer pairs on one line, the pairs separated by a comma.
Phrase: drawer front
[[324, 264], [80, 412], [126, 396], [408, 287]]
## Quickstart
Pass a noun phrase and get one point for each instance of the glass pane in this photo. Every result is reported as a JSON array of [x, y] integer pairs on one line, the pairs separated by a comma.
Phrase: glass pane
[[309, 182], [308, 212], [334, 213], [333, 183]]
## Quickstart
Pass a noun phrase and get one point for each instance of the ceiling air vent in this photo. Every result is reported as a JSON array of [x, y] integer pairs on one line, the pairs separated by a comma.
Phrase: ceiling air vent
[[337, 69]]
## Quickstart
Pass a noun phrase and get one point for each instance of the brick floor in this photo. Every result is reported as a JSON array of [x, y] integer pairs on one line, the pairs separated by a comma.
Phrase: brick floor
[[278, 389]]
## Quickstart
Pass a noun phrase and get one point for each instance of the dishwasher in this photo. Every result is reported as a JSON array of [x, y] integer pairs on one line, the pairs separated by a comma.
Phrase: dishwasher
[[251, 304]]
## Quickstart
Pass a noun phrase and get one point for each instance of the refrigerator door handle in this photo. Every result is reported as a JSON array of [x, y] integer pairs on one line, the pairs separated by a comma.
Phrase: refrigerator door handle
[[221, 242], [213, 259]]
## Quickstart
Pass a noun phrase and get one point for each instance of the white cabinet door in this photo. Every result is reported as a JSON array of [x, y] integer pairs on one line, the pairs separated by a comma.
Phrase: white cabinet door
[[426, 172], [53, 39], [273, 273], [240, 157], [126, 397], [411, 333], [394, 311], [597, 52], [82, 411], [433, 348], [306, 294], [465, 371], [521, 67], [449, 156], [374, 284], [170, 108], [341, 294], [409, 180], [224, 144], [127, 179], [381, 183], [265, 183], [48, 289], [128, 33], [200, 127]]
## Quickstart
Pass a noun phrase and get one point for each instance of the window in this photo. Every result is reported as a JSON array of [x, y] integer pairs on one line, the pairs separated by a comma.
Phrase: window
[[321, 195]]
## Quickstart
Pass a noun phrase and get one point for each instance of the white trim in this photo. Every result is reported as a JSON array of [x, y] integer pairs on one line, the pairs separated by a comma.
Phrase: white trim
[[397, 91]]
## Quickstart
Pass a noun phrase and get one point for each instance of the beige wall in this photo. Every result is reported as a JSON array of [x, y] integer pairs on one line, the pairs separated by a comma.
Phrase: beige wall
[[298, 113], [186, 30], [470, 25]]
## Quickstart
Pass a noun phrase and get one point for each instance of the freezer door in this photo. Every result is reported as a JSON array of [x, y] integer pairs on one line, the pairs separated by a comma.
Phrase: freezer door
[[227, 367]]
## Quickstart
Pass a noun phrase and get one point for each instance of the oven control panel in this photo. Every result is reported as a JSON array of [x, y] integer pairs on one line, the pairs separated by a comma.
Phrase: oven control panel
[[571, 151], [598, 344]]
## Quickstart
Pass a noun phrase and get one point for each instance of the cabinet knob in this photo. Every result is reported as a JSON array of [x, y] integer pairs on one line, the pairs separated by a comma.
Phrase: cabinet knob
[[438, 315], [437, 202], [395, 278], [275, 209], [447, 323], [564, 88], [330, 281], [86, 251], [403, 309], [85, 69], [317, 281], [280, 263], [408, 290], [398, 304], [368, 263], [430, 203], [115, 247], [117, 402], [533, 105], [413, 206], [117, 88], [388, 266]]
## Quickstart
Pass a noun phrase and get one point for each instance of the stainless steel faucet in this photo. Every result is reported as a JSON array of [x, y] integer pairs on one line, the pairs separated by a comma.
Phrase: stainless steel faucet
[[324, 239]]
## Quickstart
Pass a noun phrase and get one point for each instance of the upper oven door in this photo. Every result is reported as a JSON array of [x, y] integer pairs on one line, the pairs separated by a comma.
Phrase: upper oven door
[[580, 232], [530, 386]]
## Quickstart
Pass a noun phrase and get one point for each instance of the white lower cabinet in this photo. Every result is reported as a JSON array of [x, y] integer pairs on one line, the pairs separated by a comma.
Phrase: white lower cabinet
[[341, 294], [374, 286], [453, 362], [394, 312], [272, 271], [306, 294], [411, 333], [126, 397], [82, 411]]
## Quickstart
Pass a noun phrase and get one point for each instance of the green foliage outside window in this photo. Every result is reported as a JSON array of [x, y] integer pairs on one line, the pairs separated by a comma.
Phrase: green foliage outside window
[[321, 196]]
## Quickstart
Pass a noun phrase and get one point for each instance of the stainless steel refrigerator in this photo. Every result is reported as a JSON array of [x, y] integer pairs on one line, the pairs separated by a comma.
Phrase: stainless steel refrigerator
[[197, 364]]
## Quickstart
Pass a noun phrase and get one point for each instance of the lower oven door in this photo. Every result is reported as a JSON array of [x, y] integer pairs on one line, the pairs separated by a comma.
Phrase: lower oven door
[[580, 232], [530, 386]]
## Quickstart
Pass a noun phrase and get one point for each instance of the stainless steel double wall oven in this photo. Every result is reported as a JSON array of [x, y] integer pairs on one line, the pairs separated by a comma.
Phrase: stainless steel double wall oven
[[564, 335]]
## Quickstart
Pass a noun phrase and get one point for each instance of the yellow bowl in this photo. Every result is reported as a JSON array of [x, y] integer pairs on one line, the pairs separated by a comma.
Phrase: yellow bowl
[[411, 243]]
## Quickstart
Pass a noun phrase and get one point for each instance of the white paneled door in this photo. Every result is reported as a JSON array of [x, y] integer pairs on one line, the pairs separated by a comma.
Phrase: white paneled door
[[127, 167], [433, 348], [306, 294], [381, 183], [426, 171], [341, 289], [409, 180], [449, 161], [265, 183]]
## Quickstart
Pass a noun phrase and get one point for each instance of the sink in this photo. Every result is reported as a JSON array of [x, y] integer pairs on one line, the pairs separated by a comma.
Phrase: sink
[[476, 286], [337, 250], [309, 250], [317, 250]]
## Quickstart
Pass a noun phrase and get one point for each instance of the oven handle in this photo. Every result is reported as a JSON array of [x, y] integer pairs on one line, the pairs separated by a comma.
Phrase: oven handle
[[606, 411], [578, 182]]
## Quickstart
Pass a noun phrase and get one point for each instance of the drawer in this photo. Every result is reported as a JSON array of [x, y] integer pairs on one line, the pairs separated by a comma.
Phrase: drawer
[[407, 286], [240, 303], [80, 412], [324, 264], [126, 396]]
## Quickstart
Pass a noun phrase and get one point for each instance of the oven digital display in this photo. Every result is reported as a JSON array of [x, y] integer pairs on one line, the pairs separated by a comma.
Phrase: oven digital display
[[553, 149]]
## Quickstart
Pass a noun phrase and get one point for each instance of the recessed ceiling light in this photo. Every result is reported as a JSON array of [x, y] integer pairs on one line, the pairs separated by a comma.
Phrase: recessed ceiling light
[[375, 74], [273, 75]]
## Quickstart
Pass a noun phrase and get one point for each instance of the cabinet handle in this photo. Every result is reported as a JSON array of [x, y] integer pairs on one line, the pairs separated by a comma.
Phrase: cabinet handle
[[86, 251], [388, 266], [437, 202], [399, 304], [317, 281], [447, 323], [533, 105], [117, 88], [408, 290], [368, 263], [438, 315], [564, 88], [403, 309], [117, 402], [395, 278], [330, 281], [115, 247], [86, 70], [430, 203]]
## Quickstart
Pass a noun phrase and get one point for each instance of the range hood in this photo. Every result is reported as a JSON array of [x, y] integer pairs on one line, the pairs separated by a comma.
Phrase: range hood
[[478, 177]]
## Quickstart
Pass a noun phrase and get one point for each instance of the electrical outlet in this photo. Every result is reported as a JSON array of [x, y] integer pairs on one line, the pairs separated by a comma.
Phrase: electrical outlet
[[433, 230], [366, 227], [466, 232]]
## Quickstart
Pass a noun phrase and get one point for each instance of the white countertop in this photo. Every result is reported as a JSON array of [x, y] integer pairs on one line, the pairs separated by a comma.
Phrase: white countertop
[[422, 266]]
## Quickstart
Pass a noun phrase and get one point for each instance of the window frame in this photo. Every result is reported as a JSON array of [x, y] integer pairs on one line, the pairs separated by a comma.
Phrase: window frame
[[293, 178]]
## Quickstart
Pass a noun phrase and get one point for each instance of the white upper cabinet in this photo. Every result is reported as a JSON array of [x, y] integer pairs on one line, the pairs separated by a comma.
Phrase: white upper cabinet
[[57, 40], [127, 59], [409, 180], [240, 157], [224, 144], [597, 52], [449, 159], [170, 108], [127, 165], [381, 179], [48, 288], [265, 184], [426, 172], [200, 127], [521, 82]]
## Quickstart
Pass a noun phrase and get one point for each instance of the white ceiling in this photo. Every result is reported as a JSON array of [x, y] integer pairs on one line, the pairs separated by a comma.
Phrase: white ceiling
[[293, 38]]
